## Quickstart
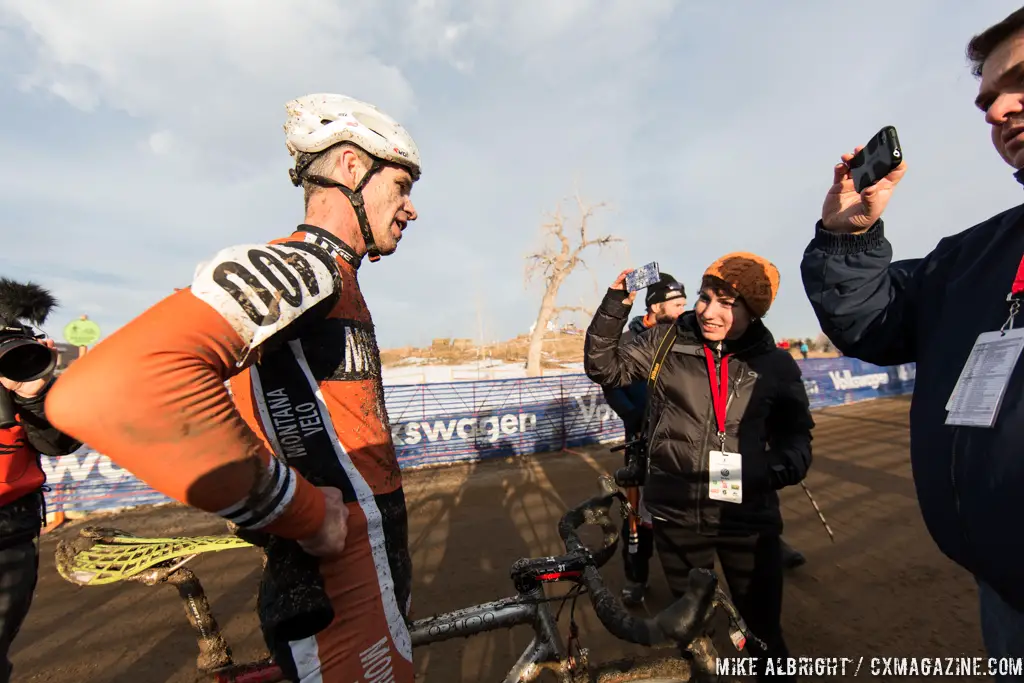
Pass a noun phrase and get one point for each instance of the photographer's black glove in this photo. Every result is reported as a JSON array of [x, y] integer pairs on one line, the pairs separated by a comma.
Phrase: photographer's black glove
[[782, 473]]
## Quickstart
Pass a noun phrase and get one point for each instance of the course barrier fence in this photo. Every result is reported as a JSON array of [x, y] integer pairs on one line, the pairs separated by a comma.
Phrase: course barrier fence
[[438, 424]]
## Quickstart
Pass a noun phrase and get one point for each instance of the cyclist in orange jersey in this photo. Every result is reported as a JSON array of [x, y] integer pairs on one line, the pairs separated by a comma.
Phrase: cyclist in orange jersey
[[301, 446]]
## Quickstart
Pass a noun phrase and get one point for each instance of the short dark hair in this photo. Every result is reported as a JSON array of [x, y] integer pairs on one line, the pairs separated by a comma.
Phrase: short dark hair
[[983, 44], [720, 287]]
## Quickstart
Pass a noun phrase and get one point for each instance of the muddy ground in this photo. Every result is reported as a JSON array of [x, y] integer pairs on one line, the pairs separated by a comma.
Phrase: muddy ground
[[881, 590]]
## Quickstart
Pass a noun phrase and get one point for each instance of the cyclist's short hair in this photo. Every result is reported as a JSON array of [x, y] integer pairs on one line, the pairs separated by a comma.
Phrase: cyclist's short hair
[[323, 165]]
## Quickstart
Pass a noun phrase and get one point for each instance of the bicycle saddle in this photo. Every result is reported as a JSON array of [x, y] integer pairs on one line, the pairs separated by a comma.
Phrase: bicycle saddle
[[100, 555], [684, 620]]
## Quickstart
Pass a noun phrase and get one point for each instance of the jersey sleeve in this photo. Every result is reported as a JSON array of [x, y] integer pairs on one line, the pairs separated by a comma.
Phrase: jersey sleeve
[[152, 396]]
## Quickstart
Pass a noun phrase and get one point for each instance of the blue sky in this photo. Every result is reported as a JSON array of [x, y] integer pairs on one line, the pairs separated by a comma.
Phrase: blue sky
[[140, 137]]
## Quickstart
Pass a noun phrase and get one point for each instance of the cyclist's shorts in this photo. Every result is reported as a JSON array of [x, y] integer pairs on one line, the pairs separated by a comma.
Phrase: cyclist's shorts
[[368, 641]]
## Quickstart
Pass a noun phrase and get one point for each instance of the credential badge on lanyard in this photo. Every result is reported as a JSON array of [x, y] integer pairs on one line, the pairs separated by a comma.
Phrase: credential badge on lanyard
[[1014, 297], [725, 470], [978, 393]]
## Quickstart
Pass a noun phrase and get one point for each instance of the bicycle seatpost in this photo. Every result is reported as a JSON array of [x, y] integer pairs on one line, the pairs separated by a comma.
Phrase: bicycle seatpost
[[214, 652], [633, 496]]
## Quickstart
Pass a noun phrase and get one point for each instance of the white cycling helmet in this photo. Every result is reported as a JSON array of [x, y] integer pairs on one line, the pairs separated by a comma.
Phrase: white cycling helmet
[[318, 122]]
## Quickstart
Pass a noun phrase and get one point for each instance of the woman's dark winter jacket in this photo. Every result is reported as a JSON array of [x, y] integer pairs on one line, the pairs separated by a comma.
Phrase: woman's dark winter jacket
[[21, 512], [768, 419], [629, 402]]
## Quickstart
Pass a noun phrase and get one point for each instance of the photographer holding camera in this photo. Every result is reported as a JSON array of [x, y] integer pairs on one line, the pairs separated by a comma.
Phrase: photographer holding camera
[[27, 364]]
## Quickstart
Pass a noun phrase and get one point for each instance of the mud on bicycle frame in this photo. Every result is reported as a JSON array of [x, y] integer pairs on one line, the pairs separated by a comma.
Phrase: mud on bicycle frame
[[683, 623]]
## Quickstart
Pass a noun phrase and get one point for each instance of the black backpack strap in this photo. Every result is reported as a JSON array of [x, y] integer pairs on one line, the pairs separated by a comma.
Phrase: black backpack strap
[[656, 364], [659, 356]]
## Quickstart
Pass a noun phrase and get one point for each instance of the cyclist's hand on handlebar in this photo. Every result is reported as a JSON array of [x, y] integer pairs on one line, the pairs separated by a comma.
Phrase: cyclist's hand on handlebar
[[330, 539]]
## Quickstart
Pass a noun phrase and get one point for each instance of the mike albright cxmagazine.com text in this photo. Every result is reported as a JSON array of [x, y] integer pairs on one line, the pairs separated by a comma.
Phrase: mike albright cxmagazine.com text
[[959, 667]]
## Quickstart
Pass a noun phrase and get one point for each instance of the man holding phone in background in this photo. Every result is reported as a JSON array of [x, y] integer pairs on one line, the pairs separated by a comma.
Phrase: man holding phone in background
[[969, 473], [666, 301]]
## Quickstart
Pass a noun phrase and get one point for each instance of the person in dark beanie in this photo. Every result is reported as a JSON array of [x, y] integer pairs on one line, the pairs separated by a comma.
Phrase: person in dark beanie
[[666, 301], [730, 426], [25, 433], [936, 311]]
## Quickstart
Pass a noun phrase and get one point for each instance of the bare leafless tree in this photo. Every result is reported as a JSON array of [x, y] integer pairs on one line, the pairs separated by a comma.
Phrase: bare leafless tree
[[556, 260]]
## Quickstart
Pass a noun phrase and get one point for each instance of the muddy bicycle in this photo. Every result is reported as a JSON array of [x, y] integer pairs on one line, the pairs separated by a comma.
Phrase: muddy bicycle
[[104, 555]]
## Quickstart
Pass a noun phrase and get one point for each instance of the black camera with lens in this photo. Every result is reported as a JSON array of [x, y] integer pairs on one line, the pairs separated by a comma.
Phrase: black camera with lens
[[23, 357]]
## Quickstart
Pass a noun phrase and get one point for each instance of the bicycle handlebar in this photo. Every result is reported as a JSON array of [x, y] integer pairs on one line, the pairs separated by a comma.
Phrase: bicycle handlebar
[[682, 621]]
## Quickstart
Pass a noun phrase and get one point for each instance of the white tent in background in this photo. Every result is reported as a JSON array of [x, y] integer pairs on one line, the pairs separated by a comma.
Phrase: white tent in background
[[550, 326]]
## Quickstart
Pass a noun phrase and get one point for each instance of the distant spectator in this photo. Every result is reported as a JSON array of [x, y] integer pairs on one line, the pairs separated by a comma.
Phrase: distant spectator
[[666, 301], [931, 311], [804, 349]]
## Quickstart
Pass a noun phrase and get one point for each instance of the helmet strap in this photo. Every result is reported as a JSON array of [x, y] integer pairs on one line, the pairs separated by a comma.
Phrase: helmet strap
[[355, 198]]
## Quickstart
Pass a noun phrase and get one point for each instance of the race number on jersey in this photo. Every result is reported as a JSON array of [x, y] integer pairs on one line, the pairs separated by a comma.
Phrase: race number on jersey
[[260, 289]]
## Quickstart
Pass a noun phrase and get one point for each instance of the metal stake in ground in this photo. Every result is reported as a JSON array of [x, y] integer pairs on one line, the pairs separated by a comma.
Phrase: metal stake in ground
[[818, 510]]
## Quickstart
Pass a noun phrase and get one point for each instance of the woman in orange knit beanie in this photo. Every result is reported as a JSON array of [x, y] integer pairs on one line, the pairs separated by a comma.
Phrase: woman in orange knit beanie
[[729, 426]]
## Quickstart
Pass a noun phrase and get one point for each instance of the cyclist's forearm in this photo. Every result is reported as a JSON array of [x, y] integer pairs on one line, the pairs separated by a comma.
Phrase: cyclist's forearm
[[152, 398]]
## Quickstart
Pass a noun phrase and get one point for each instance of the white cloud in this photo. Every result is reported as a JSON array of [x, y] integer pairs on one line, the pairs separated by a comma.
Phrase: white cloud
[[151, 132], [161, 142]]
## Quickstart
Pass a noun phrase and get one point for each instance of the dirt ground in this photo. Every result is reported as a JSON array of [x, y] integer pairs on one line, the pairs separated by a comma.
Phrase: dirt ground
[[881, 590]]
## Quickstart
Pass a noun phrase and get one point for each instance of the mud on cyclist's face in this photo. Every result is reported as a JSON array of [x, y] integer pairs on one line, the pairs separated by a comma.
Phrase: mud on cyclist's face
[[721, 316], [389, 207]]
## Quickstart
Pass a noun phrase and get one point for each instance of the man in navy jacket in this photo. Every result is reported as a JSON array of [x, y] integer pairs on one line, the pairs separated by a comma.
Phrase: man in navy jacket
[[930, 311], [666, 301]]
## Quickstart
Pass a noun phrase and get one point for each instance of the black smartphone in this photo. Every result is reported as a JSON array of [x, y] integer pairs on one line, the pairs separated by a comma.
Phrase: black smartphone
[[878, 159]]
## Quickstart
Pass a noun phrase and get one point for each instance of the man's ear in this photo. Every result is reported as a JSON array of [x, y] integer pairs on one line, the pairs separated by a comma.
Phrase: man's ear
[[350, 166]]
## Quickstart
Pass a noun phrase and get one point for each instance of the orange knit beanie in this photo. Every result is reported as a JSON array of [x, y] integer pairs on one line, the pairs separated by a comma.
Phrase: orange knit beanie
[[755, 279]]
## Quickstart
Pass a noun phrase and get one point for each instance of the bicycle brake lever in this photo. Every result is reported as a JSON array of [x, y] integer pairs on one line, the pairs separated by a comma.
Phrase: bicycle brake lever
[[739, 633], [741, 636]]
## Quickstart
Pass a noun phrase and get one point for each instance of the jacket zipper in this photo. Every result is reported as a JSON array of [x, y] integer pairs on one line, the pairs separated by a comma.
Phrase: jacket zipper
[[650, 440], [956, 491], [704, 442]]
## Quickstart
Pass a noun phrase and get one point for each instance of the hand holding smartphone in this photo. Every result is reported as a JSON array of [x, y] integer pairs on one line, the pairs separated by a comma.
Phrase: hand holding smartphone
[[879, 158], [644, 276], [847, 207]]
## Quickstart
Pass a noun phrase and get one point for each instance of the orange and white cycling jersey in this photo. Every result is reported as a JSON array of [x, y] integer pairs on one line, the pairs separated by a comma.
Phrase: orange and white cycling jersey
[[285, 322]]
